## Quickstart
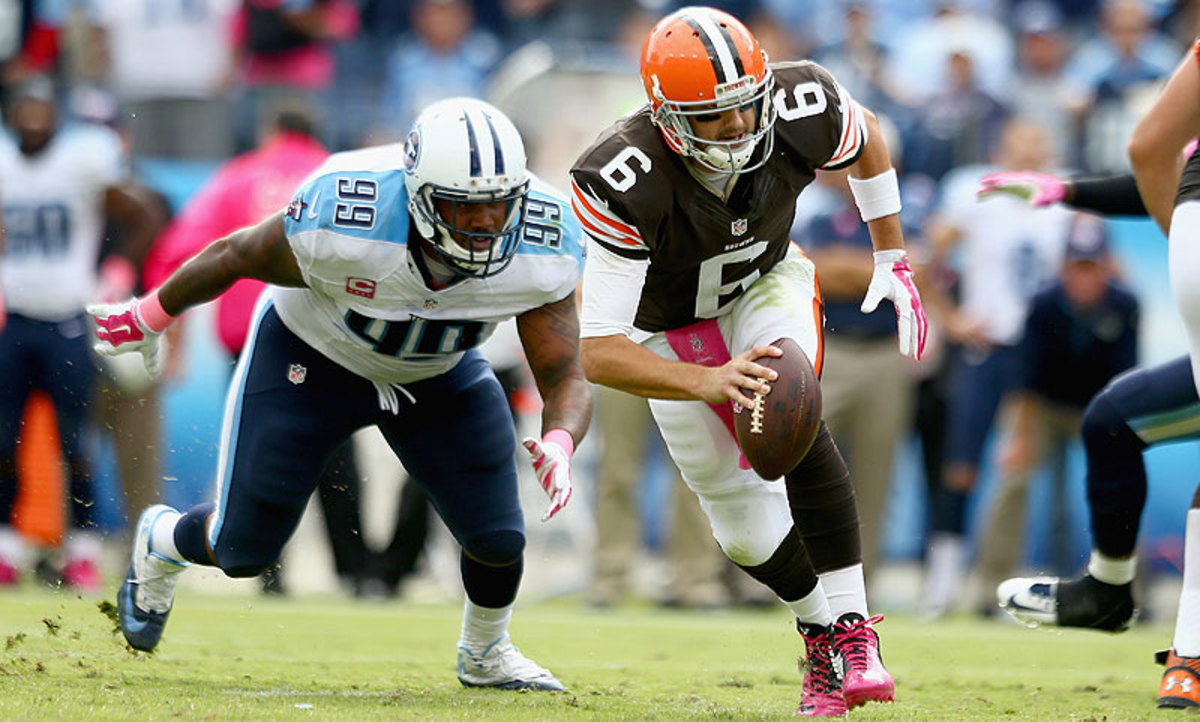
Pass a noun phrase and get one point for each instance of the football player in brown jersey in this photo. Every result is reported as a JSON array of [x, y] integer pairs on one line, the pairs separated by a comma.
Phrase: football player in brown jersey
[[688, 203]]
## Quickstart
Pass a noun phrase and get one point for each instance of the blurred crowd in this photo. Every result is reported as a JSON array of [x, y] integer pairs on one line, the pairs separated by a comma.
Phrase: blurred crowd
[[183, 88]]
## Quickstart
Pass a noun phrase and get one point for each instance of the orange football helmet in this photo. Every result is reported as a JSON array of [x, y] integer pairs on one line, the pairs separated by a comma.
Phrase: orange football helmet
[[698, 61]]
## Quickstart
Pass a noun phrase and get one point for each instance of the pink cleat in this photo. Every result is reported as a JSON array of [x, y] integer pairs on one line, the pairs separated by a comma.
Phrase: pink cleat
[[82, 575], [9, 576], [821, 695], [864, 678]]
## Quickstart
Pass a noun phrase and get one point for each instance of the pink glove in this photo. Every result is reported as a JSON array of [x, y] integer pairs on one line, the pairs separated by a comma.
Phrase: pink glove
[[1037, 189], [3, 313], [552, 463], [893, 279], [131, 326]]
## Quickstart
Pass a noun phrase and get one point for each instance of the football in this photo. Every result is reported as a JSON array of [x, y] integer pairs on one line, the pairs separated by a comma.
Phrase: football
[[778, 430]]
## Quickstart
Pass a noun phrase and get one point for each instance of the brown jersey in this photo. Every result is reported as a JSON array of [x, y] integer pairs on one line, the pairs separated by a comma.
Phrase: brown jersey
[[635, 197]]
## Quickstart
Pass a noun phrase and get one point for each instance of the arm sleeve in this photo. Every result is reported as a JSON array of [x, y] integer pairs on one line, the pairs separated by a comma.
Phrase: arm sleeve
[[612, 288], [1110, 195]]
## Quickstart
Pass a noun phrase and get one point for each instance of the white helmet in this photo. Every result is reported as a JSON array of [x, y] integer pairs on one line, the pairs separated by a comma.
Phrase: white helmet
[[464, 151]]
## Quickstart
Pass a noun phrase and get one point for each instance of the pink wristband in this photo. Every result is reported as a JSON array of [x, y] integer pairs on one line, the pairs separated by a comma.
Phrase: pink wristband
[[151, 312], [562, 438]]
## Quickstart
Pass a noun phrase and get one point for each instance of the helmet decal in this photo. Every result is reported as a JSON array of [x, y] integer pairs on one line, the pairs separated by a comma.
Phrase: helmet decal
[[698, 62], [473, 145], [727, 63], [412, 149], [495, 144], [461, 153]]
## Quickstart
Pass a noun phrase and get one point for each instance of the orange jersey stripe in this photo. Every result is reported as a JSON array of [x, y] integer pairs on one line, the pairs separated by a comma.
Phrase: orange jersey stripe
[[601, 232], [606, 218]]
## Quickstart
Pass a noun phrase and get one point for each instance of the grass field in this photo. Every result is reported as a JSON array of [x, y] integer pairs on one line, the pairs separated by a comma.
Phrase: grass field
[[240, 657]]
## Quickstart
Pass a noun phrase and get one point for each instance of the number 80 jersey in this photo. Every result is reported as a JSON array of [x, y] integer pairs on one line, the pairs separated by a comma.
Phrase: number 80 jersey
[[637, 200]]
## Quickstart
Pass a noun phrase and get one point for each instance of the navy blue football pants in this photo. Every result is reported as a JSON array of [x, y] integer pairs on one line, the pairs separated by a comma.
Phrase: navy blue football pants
[[53, 356], [1140, 408], [290, 407]]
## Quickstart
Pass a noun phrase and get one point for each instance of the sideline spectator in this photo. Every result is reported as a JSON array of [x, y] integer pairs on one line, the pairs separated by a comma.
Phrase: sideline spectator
[[866, 388], [169, 63], [625, 425], [1080, 333], [1119, 69], [282, 49], [1006, 256], [446, 55]]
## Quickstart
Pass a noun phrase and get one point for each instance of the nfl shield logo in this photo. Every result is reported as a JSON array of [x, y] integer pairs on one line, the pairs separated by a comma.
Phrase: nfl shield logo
[[739, 226], [296, 374]]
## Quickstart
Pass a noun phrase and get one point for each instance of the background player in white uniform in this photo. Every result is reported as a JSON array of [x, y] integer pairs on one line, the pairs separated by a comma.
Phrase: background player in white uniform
[[56, 185], [688, 204], [388, 268], [1144, 407], [1004, 257]]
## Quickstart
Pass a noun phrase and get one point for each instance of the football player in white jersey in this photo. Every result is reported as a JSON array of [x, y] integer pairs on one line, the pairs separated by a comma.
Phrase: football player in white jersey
[[387, 270], [57, 184], [1140, 409]]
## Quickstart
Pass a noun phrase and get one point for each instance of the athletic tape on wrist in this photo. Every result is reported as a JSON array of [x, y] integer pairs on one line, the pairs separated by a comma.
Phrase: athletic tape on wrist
[[877, 196]]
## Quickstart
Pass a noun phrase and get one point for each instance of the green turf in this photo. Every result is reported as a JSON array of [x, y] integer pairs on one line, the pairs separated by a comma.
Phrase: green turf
[[248, 658]]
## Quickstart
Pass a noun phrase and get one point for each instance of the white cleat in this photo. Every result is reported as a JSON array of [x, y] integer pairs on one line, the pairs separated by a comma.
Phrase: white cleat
[[502, 666], [144, 598], [1032, 601], [1085, 602]]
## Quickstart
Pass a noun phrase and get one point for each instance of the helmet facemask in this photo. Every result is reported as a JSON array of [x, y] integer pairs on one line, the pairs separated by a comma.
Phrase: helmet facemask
[[467, 251], [734, 156], [460, 154]]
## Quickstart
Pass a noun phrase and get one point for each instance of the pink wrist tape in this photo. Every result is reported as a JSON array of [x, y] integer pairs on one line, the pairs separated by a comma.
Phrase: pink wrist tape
[[562, 438], [150, 311]]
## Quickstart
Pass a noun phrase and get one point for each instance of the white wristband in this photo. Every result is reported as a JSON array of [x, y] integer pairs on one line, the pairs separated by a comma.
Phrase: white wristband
[[877, 196]]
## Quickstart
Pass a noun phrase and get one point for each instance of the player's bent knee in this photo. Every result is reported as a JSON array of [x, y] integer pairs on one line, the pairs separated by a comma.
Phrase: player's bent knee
[[749, 527], [495, 548], [1103, 423], [243, 571]]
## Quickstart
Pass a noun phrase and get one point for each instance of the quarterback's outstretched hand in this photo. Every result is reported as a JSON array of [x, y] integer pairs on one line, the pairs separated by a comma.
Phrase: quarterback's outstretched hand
[[552, 463], [1037, 189], [893, 279], [134, 325]]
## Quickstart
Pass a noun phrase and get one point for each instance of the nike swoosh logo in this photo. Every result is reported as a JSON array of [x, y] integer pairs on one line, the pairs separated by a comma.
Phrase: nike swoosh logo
[[1047, 608], [312, 207], [129, 619]]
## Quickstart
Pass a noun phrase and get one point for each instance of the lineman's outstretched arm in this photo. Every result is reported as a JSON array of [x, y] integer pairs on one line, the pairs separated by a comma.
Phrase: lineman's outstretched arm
[[550, 337], [261, 252]]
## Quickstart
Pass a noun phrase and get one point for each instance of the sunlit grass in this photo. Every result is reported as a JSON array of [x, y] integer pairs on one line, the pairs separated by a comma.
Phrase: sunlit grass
[[250, 658]]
